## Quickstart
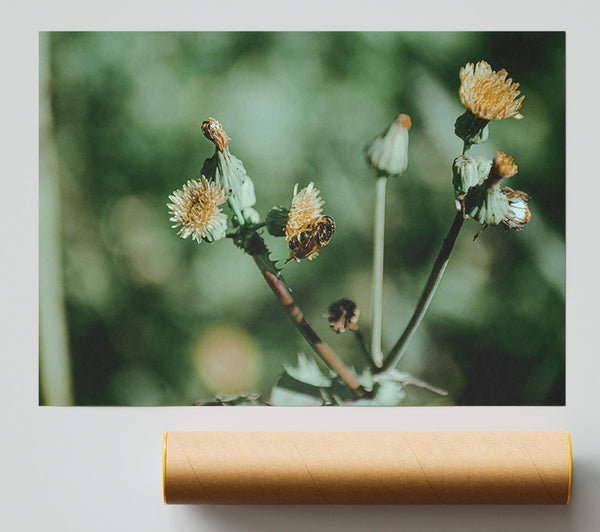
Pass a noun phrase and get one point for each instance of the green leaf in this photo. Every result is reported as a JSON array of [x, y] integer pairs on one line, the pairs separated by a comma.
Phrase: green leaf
[[292, 392], [387, 393], [388, 387], [308, 384], [305, 384], [309, 372]]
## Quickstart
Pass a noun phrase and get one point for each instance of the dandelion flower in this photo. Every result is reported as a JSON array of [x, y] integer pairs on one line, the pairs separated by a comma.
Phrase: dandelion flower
[[196, 209], [306, 206], [488, 94]]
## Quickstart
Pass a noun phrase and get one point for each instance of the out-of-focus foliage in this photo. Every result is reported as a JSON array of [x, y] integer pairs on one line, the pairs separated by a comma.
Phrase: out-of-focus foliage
[[156, 320]]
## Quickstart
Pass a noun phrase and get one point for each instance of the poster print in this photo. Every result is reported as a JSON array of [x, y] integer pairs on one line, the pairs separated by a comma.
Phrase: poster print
[[276, 218]]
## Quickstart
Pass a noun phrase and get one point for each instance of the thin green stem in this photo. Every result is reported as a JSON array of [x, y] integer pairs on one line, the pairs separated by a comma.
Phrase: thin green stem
[[378, 247], [435, 277]]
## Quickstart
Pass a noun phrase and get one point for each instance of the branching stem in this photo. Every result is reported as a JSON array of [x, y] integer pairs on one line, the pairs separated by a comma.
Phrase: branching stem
[[320, 348]]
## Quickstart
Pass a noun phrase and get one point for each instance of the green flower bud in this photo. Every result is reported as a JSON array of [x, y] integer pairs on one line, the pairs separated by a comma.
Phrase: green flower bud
[[468, 171], [471, 129], [487, 205], [388, 153], [277, 219]]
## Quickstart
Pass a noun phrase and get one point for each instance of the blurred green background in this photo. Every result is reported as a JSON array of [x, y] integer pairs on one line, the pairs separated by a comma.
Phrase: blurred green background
[[130, 314]]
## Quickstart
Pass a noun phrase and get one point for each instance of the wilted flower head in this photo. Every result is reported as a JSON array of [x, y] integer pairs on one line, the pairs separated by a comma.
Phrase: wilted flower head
[[491, 204], [518, 211], [306, 206], [388, 153], [196, 209], [503, 167], [227, 170], [488, 94], [213, 131], [343, 314]]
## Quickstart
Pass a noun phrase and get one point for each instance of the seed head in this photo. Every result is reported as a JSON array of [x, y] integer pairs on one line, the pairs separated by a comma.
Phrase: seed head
[[343, 314]]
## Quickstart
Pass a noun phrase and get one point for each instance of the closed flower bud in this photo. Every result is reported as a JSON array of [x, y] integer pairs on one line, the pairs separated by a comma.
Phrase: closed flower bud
[[468, 171], [487, 205], [276, 221], [343, 314], [388, 153]]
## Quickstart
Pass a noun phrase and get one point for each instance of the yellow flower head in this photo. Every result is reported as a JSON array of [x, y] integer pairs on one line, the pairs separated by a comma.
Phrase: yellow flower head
[[306, 206], [488, 94], [196, 209]]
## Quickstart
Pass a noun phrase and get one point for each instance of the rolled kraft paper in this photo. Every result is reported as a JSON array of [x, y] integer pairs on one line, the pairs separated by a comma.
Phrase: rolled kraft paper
[[367, 467]]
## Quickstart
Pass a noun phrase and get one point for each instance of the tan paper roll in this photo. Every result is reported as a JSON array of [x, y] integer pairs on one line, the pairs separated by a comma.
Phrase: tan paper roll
[[367, 467]]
